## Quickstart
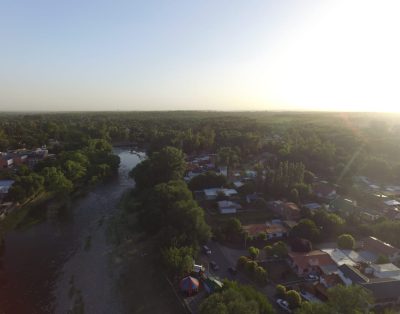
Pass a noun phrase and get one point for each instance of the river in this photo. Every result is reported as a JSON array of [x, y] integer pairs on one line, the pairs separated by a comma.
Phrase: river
[[47, 267]]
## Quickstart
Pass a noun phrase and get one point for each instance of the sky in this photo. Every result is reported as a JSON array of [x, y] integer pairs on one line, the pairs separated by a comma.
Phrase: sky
[[331, 55]]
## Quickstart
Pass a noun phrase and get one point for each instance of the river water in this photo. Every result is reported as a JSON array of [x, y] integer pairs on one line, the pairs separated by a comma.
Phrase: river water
[[46, 266]]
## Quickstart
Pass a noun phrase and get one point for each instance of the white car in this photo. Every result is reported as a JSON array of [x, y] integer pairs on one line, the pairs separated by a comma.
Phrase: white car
[[206, 250], [284, 305], [311, 277]]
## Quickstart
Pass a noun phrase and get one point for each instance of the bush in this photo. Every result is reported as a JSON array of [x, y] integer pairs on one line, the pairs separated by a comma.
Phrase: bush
[[346, 242], [280, 291], [242, 261], [293, 298], [254, 252]]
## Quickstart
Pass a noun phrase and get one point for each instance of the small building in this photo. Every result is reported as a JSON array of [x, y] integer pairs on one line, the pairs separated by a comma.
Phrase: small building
[[212, 194], [272, 230], [309, 263], [5, 186], [228, 207], [312, 206], [392, 203], [6, 161]]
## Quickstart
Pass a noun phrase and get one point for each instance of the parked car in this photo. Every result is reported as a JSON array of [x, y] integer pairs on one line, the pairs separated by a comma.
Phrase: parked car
[[214, 265], [206, 250], [311, 277], [232, 270], [284, 305]]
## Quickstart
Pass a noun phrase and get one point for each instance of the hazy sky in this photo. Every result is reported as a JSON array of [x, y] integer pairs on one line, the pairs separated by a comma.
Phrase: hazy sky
[[200, 54]]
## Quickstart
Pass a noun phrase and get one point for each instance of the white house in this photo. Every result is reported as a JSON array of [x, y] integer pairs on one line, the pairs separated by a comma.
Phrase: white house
[[211, 194], [228, 207]]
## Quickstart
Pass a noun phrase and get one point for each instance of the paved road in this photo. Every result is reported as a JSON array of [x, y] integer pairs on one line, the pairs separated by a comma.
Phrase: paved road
[[224, 260]]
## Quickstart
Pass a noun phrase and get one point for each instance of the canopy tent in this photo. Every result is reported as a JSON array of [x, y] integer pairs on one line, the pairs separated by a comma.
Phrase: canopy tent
[[189, 285]]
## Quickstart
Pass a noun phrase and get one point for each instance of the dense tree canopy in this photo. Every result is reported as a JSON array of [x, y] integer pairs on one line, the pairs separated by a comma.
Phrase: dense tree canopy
[[236, 299]]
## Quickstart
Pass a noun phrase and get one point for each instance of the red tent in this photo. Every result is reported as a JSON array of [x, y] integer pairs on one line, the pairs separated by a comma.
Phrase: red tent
[[189, 285]]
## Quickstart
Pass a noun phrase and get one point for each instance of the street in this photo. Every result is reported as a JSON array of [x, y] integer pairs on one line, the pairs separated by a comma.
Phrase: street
[[225, 258]]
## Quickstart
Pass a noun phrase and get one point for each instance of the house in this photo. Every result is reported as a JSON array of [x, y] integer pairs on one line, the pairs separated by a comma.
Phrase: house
[[272, 230], [238, 184], [286, 210], [339, 257], [212, 194], [228, 207], [6, 161], [386, 271], [379, 247], [391, 203], [5, 186], [309, 263], [312, 206], [351, 275], [324, 191], [384, 292]]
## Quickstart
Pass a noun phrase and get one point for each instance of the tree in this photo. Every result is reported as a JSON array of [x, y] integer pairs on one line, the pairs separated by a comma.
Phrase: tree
[[280, 248], [307, 229], [55, 181], [314, 308], [294, 196], [228, 157], [207, 180], [161, 167], [242, 261], [74, 170], [293, 298], [235, 298], [280, 291], [254, 252], [260, 275], [178, 261], [233, 227], [346, 242], [349, 300], [300, 245], [331, 224]]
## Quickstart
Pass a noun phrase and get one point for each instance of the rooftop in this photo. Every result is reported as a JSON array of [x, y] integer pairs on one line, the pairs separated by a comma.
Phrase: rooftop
[[353, 274]]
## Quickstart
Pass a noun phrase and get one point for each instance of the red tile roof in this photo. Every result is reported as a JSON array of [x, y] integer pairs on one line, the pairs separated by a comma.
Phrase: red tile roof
[[313, 258]]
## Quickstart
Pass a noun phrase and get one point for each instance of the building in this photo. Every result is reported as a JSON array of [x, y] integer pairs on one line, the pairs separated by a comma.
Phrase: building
[[309, 263], [228, 207], [312, 206], [272, 230], [386, 271], [212, 194], [286, 210], [379, 247], [384, 292], [351, 275], [324, 191], [6, 161], [5, 186]]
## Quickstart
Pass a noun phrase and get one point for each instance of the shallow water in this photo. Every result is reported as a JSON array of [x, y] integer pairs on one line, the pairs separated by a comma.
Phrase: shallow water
[[42, 263]]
